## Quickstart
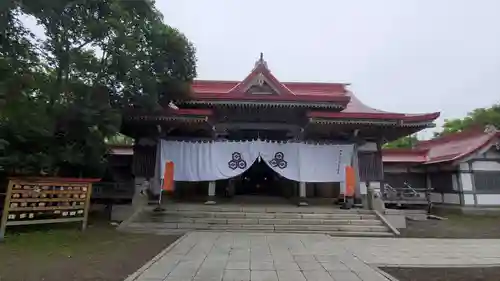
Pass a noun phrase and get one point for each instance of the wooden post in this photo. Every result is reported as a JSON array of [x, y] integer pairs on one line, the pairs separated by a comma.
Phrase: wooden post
[[355, 165], [3, 221], [87, 204]]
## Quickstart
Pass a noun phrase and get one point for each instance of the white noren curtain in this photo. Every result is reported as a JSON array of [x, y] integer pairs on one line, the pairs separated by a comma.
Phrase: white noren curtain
[[208, 161]]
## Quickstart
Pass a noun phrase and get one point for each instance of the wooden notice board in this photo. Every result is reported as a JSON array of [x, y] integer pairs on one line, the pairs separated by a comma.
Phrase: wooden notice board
[[46, 200]]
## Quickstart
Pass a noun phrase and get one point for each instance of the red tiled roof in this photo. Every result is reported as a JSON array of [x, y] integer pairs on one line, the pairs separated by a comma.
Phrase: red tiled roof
[[291, 91], [299, 92], [357, 109], [202, 87], [452, 147]]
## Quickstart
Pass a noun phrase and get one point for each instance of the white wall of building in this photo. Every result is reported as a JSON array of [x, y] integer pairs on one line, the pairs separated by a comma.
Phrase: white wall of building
[[488, 199], [486, 166], [466, 181], [468, 199]]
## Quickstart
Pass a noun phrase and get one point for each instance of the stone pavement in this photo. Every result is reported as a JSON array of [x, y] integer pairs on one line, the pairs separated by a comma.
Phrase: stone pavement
[[207, 256], [423, 252]]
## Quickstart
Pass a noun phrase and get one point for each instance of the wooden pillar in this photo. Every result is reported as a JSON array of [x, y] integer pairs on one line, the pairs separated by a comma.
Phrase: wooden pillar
[[355, 165], [211, 194]]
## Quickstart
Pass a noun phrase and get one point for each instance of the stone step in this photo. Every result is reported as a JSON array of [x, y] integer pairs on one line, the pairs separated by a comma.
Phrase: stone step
[[224, 221], [332, 233], [257, 227], [241, 215], [264, 209]]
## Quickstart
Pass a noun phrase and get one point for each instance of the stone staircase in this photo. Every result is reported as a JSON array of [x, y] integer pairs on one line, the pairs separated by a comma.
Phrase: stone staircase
[[180, 218]]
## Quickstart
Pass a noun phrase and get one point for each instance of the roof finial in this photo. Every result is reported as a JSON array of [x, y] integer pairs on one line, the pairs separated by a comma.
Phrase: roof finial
[[261, 61]]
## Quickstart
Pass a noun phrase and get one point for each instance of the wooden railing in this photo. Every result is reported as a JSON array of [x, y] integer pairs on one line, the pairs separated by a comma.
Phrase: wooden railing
[[113, 190]]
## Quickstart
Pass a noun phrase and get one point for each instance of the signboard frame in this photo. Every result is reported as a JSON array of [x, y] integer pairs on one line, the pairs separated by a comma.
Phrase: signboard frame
[[30, 201]]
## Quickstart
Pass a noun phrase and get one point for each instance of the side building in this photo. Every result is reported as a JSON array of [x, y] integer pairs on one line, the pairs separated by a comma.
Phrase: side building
[[462, 169]]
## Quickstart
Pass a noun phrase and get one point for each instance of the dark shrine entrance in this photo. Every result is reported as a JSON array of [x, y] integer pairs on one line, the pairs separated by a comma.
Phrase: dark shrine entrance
[[261, 180]]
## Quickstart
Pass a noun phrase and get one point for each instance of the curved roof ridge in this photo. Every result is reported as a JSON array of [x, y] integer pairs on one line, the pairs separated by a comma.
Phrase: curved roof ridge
[[356, 105]]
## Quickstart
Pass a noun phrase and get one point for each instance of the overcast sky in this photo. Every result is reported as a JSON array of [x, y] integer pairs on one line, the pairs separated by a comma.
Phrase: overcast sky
[[404, 56], [399, 55]]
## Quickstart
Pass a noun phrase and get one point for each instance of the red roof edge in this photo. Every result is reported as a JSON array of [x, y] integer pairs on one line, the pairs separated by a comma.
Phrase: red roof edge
[[422, 117], [189, 111], [389, 115], [326, 114], [172, 112]]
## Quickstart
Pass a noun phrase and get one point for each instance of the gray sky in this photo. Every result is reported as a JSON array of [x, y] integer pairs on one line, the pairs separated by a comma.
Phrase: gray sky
[[399, 55], [404, 56]]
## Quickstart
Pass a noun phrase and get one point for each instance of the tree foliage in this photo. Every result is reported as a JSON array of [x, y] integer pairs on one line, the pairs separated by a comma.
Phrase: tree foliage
[[62, 95], [119, 139], [404, 142], [477, 117]]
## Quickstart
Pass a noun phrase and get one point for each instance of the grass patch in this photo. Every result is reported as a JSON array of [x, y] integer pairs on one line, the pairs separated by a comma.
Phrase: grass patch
[[444, 274], [456, 226], [62, 252]]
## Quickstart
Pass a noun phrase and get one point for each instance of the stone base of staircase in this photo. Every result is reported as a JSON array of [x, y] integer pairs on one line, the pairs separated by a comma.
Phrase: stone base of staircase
[[180, 218]]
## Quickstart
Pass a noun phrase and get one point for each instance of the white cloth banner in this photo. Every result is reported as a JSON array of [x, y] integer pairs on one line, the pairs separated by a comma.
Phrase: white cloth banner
[[198, 161]]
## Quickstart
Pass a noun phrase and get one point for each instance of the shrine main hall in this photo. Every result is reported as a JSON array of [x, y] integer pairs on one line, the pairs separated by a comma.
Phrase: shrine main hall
[[261, 136]]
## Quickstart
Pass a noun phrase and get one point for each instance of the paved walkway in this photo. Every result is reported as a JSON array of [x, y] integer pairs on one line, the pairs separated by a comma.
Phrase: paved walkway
[[424, 252], [205, 256]]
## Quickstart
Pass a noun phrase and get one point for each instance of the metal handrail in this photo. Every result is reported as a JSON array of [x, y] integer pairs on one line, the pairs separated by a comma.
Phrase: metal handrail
[[407, 194]]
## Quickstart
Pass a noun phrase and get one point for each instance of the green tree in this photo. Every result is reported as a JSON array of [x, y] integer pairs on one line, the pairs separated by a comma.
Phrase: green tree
[[119, 139], [98, 58], [477, 117], [404, 142]]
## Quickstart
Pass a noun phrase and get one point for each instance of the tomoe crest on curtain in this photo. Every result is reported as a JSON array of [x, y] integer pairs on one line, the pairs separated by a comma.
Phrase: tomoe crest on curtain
[[237, 162], [278, 161]]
